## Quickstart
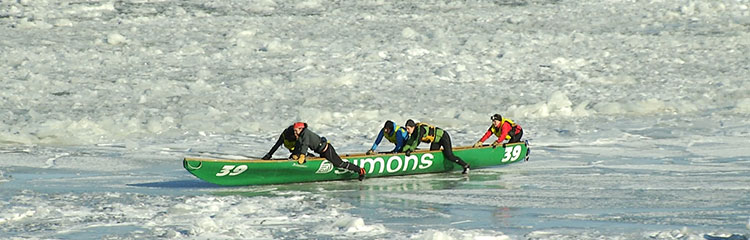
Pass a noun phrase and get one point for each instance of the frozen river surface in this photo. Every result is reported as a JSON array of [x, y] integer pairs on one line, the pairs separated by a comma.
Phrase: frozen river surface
[[637, 113]]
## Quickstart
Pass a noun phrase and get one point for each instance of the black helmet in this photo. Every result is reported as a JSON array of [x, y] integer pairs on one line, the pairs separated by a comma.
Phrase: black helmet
[[496, 117], [388, 125], [410, 123]]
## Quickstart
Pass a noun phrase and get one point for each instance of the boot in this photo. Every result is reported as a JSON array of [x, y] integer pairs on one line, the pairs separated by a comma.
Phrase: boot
[[466, 169], [361, 174]]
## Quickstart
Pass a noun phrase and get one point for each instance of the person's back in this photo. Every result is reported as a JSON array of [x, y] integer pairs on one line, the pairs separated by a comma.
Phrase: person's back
[[423, 132], [308, 140]]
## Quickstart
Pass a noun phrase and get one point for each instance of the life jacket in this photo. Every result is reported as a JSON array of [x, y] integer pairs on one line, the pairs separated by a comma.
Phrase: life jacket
[[289, 138], [430, 133], [392, 137], [289, 144], [499, 130]]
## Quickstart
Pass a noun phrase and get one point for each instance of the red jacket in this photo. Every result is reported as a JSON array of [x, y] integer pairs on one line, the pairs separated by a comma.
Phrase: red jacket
[[501, 133]]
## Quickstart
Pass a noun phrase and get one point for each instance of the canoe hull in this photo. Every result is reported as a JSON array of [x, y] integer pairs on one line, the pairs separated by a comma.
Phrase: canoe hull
[[258, 172]]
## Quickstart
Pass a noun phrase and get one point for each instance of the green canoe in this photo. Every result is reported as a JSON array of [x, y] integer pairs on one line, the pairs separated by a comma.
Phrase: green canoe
[[256, 172]]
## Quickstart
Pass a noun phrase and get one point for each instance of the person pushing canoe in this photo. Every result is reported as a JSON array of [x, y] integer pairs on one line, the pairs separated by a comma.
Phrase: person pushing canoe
[[504, 129], [307, 139], [394, 133], [422, 132]]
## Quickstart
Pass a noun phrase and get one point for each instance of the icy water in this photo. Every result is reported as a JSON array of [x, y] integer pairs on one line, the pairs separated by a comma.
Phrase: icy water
[[637, 113], [656, 188]]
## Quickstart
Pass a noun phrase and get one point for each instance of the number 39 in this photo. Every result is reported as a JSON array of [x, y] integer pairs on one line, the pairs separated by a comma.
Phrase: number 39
[[231, 170], [513, 154]]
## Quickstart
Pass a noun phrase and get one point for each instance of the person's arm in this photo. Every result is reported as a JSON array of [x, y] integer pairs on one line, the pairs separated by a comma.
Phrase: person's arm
[[299, 144], [486, 135], [400, 140], [408, 146], [413, 141], [377, 140], [275, 147], [302, 146]]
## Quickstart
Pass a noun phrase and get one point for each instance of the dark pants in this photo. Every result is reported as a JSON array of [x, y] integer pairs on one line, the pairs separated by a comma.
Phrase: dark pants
[[445, 142], [331, 155], [515, 137]]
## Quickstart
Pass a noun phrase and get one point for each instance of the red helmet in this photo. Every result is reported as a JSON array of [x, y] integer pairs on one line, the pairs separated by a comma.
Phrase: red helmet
[[300, 125]]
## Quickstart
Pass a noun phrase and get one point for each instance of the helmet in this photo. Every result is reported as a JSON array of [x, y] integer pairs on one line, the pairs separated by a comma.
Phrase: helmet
[[496, 117], [410, 123], [300, 125], [388, 125]]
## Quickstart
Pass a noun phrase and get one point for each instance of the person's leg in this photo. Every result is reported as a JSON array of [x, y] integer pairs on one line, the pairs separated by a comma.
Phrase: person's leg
[[331, 155], [445, 141], [434, 146]]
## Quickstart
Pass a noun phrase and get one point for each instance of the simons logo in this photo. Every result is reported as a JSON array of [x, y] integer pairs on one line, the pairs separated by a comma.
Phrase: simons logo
[[383, 164]]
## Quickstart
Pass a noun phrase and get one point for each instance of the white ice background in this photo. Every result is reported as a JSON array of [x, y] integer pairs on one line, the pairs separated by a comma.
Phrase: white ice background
[[636, 110]]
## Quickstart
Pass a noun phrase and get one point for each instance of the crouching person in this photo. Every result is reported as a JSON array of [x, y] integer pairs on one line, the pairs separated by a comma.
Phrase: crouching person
[[504, 129], [422, 132], [307, 139]]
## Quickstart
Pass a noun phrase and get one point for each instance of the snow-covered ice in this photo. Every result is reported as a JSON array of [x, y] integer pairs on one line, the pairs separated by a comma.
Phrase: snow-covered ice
[[637, 113]]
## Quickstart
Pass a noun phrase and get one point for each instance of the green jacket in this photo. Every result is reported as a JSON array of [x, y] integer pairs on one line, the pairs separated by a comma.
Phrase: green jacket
[[423, 133], [308, 139]]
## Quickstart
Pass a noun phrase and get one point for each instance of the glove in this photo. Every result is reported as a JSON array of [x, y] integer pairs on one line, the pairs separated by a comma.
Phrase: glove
[[495, 144], [301, 159], [408, 152], [267, 156], [294, 157], [478, 144], [370, 152]]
